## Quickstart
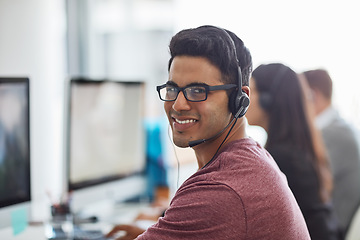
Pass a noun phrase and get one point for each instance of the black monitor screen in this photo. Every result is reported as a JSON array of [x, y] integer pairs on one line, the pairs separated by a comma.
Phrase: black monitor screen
[[106, 133], [14, 141]]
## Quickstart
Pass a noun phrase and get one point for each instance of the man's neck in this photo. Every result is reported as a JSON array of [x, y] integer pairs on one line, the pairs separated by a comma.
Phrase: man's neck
[[206, 151], [321, 104]]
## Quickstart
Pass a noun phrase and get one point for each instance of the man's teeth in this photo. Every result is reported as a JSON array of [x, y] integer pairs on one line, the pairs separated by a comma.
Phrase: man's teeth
[[185, 121]]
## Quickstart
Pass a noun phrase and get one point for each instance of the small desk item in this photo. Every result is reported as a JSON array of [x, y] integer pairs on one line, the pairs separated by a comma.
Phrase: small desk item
[[18, 220]]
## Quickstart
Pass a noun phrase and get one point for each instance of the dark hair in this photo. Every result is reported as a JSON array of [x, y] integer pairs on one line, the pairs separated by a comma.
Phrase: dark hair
[[320, 80], [216, 45], [290, 120]]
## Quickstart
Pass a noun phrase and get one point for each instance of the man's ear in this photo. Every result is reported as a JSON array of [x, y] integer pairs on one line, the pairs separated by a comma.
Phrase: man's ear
[[316, 96], [246, 89], [319, 100]]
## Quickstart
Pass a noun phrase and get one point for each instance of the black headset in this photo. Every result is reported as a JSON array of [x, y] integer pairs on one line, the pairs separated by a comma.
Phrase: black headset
[[266, 97], [239, 101]]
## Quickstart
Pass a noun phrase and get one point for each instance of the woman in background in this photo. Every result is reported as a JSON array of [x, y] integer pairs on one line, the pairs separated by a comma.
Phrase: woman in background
[[279, 106]]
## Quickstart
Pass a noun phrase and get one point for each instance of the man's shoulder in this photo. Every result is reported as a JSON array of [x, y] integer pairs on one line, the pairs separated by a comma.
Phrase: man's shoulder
[[335, 123], [247, 152], [340, 130], [247, 164], [245, 147]]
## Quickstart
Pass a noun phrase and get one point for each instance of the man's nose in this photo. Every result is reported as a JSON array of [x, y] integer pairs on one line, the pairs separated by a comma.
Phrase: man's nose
[[181, 103]]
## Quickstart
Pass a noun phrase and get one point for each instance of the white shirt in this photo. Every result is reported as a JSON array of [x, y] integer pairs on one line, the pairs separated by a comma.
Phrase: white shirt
[[326, 117]]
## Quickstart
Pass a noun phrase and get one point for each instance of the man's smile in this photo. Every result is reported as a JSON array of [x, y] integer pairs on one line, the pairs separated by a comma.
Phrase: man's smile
[[183, 123]]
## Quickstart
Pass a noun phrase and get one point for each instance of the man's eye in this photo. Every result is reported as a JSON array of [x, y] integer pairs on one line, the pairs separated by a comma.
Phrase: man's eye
[[170, 89], [197, 90]]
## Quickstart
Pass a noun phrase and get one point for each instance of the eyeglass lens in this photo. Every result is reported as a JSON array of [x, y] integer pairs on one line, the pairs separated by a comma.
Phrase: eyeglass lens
[[192, 93]]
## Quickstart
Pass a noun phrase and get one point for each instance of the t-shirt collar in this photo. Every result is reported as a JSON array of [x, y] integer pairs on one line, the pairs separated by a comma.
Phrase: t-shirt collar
[[326, 117]]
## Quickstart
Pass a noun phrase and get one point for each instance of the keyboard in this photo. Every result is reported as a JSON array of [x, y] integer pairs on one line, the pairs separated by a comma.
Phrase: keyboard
[[78, 234]]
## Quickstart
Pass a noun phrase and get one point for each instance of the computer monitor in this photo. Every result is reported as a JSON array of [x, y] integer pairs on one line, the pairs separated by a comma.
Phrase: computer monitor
[[106, 141], [15, 193]]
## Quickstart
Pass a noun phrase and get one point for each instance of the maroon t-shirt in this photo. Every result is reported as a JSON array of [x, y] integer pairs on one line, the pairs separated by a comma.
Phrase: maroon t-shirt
[[240, 195]]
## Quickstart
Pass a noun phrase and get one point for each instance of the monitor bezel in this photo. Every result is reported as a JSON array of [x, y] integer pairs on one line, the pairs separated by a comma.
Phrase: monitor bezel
[[19, 200], [23, 204]]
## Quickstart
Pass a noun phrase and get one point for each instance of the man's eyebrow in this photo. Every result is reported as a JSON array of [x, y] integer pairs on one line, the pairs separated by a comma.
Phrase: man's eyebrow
[[197, 84], [171, 83]]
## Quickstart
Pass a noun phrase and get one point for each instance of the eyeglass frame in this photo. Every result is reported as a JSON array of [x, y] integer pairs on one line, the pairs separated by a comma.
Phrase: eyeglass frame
[[182, 89]]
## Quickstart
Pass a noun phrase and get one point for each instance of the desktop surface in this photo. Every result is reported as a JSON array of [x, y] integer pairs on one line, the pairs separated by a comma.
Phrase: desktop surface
[[107, 215]]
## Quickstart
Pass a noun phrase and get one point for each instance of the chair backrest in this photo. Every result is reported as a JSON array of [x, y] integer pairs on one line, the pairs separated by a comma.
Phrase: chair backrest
[[354, 229]]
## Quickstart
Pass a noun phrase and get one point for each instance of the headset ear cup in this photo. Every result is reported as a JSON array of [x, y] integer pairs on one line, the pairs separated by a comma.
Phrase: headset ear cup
[[244, 103], [238, 105], [265, 100]]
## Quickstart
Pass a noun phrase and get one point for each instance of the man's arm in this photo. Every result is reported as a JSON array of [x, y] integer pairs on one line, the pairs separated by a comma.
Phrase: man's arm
[[201, 211]]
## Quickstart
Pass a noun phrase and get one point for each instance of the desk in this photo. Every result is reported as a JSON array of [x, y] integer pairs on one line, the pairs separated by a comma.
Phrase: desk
[[30, 233], [108, 216]]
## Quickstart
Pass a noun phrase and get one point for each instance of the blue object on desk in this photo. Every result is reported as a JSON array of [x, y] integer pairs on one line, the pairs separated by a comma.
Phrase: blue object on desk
[[19, 220], [156, 164]]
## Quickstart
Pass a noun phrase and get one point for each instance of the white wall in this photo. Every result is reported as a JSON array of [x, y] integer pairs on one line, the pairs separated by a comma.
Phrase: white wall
[[303, 34], [32, 43]]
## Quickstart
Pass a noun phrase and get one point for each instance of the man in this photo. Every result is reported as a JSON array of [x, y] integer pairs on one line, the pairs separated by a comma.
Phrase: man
[[341, 142], [238, 191]]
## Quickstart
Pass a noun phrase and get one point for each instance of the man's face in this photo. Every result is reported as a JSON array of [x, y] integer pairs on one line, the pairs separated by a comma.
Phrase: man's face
[[196, 120]]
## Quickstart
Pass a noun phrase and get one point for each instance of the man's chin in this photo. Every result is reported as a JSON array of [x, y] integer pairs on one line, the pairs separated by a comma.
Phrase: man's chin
[[181, 144]]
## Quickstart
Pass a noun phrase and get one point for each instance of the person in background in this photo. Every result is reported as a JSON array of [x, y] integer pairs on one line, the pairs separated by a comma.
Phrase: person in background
[[238, 191], [341, 141], [278, 105]]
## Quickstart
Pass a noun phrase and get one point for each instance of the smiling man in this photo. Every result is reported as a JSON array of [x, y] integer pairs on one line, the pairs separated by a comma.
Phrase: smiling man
[[238, 191]]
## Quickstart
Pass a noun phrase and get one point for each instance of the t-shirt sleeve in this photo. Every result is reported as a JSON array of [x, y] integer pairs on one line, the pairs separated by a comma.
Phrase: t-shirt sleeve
[[201, 211]]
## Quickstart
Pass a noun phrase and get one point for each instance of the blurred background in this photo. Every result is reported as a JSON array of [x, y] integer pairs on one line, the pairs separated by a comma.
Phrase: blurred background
[[51, 41]]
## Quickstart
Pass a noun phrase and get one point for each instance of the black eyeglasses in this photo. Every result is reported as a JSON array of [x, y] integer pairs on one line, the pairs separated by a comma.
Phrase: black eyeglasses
[[193, 93]]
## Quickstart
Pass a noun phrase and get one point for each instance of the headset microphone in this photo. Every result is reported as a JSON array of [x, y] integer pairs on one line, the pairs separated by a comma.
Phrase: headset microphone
[[199, 141]]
